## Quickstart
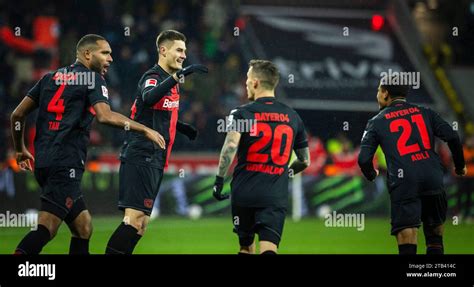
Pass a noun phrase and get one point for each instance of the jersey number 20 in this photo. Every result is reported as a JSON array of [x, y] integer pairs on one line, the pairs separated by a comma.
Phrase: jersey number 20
[[278, 158]]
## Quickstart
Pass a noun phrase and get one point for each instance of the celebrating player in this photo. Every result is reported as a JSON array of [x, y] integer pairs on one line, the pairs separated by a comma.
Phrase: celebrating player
[[67, 101], [406, 133], [141, 170], [259, 188]]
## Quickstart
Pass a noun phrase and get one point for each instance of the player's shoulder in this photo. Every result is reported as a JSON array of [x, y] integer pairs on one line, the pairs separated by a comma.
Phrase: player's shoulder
[[378, 116], [154, 73], [46, 78], [373, 121], [289, 109], [284, 108], [241, 109], [423, 108]]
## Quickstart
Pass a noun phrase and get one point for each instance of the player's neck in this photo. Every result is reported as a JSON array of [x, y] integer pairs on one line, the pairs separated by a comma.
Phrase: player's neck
[[265, 94], [79, 61], [166, 68]]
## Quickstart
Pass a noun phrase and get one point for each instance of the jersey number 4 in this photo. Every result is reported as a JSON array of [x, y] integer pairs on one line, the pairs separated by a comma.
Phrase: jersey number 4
[[56, 105], [406, 127], [254, 153]]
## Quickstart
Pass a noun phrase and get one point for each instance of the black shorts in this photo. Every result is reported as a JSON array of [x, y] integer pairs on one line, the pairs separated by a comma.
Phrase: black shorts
[[138, 186], [61, 191], [411, 212], [267, 222]]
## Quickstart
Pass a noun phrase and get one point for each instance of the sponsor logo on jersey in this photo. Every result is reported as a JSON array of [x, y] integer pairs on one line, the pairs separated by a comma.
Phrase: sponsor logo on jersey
[[69, 202], [105, 92], [167, 104], [148, 203], [150, 83]]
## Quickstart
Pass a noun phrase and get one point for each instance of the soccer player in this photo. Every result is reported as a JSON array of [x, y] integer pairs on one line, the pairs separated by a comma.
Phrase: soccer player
[[406, 133], [259, 187], [67, 101], [141, 169]]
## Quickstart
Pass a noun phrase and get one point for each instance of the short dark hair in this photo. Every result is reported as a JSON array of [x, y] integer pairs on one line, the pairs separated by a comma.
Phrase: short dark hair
[[394, 90], [267, 72], [169, 35], [89, 39]]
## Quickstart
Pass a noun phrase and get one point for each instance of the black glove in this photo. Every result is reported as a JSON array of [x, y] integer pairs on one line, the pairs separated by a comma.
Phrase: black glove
[[187, 130], [218, 185], [191, 69]]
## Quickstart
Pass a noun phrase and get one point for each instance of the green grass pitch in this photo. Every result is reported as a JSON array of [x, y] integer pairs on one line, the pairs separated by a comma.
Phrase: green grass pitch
[[171, 235]]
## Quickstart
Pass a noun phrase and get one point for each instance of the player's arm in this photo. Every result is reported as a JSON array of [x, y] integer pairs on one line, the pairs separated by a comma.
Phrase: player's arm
[[187, 129], [301, 149], [106, 116], [229, 149], [367, 151], [18, 118], [444, 131], [151, 96], [302, 160]]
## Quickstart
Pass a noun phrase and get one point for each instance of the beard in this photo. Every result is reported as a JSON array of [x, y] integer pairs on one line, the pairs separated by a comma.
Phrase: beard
[[96, 66]]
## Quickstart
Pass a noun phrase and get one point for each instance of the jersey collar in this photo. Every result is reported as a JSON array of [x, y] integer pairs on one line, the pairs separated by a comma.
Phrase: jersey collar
[[265, 99], [161, 70], [398, 102], [78, 64]]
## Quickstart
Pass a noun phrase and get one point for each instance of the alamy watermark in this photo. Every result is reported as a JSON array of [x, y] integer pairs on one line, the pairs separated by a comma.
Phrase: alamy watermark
[[9, 219], [75, 79], [237, 125], [28, 269], [335, 219], [400, 78]]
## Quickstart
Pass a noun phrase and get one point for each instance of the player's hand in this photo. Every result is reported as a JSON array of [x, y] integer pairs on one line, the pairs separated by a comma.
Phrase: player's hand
[[188, 130], [192, 69], [461, 172], [23, 159], [217, 190], [155, 137], [377, 172]]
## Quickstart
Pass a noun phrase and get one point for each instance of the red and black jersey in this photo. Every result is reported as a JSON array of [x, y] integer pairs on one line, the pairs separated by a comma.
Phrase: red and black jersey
[[406, 134], [260, 178], [162, 117], [65, 100]]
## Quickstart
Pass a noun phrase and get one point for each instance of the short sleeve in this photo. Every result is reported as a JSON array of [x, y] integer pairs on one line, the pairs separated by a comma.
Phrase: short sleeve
[[99, 92], [369, 138], [301, 140], [35, 92]]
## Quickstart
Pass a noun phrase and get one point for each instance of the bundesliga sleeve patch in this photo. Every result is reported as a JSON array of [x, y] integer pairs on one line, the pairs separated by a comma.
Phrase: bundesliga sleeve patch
[[151, 83], [105, 92]]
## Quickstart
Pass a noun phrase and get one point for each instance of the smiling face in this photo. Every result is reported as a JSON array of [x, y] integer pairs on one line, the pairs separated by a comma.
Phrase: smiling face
[[173, 54], [100, 58]]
